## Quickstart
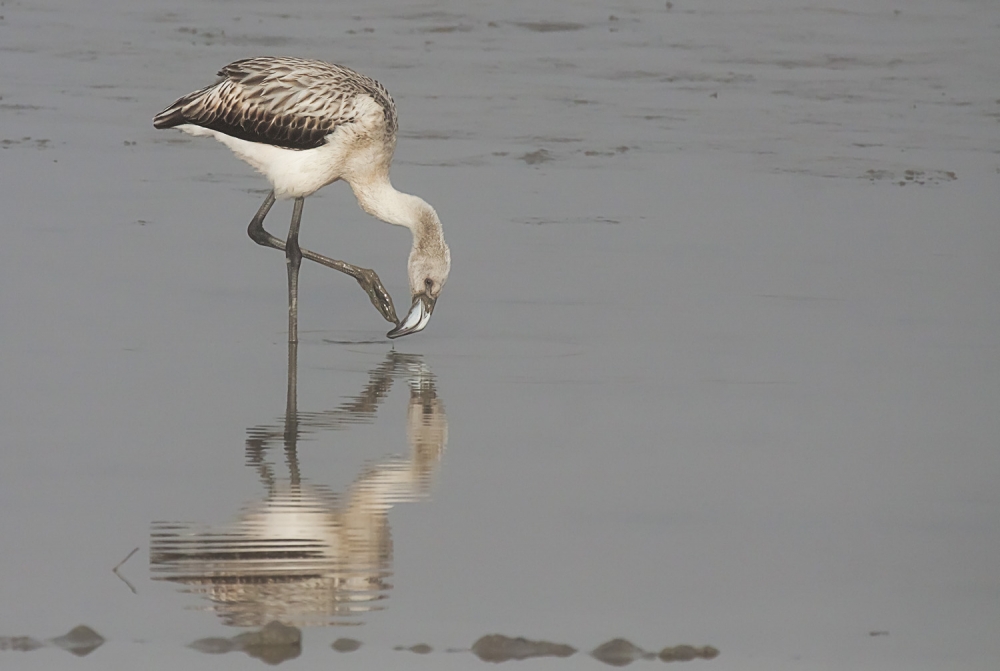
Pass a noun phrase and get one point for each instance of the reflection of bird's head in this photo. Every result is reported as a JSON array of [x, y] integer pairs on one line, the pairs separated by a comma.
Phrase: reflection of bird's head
[[426, 422], [426, 431]]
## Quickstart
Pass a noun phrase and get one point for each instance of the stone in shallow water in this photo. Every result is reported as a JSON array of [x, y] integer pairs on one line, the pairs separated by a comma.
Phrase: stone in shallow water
[[499, 648], [273, 644], [618, 652], [81, 641], [273, 654], [419, 648], [273, 633], [685, 653], [213, 646], [20, 643], [346, 645]]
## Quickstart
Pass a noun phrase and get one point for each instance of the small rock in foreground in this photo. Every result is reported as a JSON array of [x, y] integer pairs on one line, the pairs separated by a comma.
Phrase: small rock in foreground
[[618, 652], [685, 653], [346, 645], [80, 641], [213, 646], [499, 648], [273, 633], [20, 643], [272, 644]]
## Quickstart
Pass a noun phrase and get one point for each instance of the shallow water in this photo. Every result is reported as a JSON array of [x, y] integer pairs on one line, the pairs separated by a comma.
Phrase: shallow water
[[717, 364]]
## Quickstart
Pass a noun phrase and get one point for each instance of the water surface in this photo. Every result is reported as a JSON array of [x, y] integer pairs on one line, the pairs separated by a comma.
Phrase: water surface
[[717, 364]]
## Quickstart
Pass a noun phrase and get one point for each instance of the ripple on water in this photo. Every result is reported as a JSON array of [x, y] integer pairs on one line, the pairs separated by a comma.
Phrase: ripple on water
[[510, 348]]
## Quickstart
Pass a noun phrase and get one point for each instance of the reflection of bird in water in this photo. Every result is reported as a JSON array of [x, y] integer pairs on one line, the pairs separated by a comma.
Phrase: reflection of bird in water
[[306, 555], [305, 124]]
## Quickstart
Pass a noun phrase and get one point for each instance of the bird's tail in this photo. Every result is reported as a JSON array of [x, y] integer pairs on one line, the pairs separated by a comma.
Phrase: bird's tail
[[174, 115], [170, 117]]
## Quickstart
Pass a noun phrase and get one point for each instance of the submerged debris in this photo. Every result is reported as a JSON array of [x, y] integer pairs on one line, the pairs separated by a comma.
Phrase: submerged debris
[[499, 648], [419, 648], [81, 641]]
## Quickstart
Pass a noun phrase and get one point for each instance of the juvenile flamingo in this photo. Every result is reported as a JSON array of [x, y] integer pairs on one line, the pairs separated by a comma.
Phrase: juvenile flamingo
[[304, 124]]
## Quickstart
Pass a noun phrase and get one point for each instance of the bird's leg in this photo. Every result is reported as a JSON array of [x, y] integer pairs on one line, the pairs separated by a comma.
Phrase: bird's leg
[[367, 278], [256, 228], [293, 258]]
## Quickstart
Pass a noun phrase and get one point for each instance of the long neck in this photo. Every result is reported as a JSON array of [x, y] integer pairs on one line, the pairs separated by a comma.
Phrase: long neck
[[377, 197]]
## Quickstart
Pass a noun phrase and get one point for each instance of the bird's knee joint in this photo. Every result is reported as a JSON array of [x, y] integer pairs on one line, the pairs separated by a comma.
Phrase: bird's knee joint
[[260, 236]]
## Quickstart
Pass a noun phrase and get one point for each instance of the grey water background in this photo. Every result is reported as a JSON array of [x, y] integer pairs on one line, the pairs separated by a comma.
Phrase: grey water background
[[718, 359]]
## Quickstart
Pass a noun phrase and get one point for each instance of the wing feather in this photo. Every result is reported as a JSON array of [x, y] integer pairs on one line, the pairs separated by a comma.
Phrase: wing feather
[[288, 102]]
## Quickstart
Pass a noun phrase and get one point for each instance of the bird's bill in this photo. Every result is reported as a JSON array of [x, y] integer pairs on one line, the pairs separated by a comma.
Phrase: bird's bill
[[417, 318]]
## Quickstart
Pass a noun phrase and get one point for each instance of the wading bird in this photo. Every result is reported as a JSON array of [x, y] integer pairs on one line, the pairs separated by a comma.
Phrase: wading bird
[[304, 124]]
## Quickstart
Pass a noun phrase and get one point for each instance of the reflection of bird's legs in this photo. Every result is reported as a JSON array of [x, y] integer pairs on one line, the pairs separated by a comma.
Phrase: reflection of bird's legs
[[291, 394], [367, 278], [292, 416]]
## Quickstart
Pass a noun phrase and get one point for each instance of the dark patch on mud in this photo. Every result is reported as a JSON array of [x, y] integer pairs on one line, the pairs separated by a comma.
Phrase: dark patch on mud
[[458, 28], [543, 221], [617, 150], [536, 157], [37, 143], [549, 26], [918, 177]]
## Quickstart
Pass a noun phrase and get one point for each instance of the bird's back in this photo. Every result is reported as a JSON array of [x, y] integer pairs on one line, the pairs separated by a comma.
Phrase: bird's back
[[287, 102]]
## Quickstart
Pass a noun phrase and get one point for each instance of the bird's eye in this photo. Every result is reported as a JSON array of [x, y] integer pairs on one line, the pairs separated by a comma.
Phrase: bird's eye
[[429, 283]]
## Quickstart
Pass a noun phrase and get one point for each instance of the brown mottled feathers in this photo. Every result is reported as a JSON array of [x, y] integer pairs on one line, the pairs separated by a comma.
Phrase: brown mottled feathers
[[288, 102]]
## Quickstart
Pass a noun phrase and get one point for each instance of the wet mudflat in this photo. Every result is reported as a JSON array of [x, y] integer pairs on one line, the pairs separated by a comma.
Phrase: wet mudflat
[[716, 370]]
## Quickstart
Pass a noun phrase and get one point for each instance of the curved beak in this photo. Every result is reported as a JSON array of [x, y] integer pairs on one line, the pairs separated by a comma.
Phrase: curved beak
[[417, 318]]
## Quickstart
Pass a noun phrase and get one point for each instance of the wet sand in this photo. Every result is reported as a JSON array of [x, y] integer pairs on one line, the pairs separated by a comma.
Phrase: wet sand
[[717, 364]]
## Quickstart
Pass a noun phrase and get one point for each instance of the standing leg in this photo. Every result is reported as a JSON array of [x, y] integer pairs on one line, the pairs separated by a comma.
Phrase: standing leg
[[293, 258]]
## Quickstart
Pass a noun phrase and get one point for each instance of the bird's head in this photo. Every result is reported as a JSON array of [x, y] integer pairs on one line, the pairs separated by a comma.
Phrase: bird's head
[[428, 268]]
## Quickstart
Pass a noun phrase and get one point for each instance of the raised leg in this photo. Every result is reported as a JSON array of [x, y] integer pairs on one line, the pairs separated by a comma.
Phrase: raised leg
[[256, 228], [367, 278], [293, 259]]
